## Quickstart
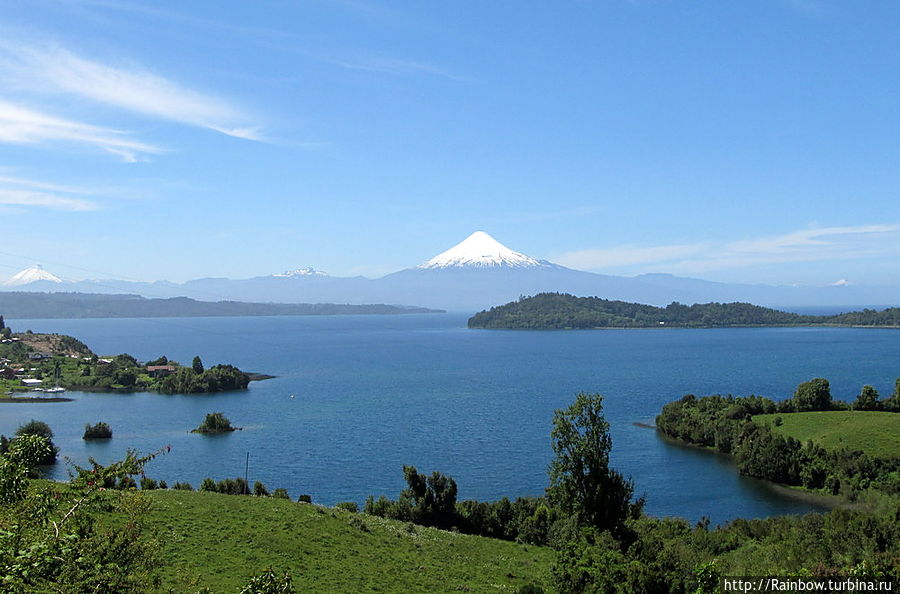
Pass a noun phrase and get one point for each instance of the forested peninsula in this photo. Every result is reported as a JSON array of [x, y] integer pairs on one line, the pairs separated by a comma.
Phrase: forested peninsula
[[24, 305], [52, 363], [810, 441], [560, 311]]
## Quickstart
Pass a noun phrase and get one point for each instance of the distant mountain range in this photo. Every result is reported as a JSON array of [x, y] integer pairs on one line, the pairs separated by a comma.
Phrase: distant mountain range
[[475, 274]]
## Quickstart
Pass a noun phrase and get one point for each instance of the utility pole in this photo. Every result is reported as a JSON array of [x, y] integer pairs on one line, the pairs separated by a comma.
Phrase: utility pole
[[246, 475]]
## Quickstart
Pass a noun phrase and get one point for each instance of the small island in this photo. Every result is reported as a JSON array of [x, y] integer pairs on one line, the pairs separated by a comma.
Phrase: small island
[[561, 311], [99, 431], [215, 423], [46, 365]]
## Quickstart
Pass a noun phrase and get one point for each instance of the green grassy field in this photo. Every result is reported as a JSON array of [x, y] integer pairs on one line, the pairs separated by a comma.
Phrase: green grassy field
[[875, 433], [219, 541]]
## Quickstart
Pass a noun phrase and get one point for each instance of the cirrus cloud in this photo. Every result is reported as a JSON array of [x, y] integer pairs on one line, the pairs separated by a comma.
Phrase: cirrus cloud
[[806, 245]]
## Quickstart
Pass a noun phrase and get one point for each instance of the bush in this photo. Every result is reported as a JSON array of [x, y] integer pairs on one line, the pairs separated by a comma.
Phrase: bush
[[260, 490], [208, 485], [349, 506], [269, 583], [148, 484], [99, 431], [185, 486], [304, 499], [281, 493]]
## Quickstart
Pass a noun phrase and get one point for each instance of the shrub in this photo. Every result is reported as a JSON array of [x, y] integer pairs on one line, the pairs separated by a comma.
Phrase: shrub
[[185, 486], [148, 484], [304, 499], [358, 523], [99, 431], [260, 490], [269, 583], [280, 493], [349, 506], [208, 485]]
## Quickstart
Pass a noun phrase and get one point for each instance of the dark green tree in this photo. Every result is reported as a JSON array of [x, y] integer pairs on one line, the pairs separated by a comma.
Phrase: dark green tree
[[197, 365], [813, 395], [581, 481], [867, 399], [432, 499], [2, 323], [892, 404], [41, 429]]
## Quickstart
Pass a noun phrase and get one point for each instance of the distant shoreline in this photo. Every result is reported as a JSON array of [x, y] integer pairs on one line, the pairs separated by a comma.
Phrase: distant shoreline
[[55, 306]]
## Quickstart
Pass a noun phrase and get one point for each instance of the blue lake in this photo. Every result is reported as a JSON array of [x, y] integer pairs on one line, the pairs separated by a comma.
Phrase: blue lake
[[373, 393]]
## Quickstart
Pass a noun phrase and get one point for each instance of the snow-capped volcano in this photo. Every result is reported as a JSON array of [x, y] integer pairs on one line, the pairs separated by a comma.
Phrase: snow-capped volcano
[[308, 271], [480, 250], [33, 274]]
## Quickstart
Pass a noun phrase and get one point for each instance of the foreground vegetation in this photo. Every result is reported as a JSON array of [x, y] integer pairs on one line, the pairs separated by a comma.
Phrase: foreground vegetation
[[588, 533], [557, 311]]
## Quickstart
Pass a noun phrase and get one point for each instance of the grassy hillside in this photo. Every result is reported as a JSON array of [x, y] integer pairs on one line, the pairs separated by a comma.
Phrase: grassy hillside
[[219, 541], [875, 433]]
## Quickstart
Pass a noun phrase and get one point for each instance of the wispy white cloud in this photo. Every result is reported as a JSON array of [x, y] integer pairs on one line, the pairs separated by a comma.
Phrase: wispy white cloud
[[58, 70], [41, 185], [806, 245], [394, 66], [14, 197], [22, 125], [24, 192]]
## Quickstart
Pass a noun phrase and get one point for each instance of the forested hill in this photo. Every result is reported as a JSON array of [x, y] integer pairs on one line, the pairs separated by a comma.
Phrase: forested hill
[[20, 305], [547, 311]]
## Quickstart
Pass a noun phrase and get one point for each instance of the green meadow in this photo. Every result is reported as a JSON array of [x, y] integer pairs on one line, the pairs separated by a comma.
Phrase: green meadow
[[218, 541], [875, 433]]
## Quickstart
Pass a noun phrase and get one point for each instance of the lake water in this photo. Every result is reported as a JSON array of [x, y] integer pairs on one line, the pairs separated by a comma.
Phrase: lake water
[[373, 393]]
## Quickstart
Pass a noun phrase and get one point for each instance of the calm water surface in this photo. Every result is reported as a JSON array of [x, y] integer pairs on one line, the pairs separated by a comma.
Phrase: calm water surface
[[373, 393]]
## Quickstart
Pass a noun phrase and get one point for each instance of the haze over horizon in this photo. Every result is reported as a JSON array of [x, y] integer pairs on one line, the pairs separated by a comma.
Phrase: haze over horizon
[[733, 142]]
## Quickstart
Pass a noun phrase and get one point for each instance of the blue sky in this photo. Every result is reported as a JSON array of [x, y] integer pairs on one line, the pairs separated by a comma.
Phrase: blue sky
[[727, 140]]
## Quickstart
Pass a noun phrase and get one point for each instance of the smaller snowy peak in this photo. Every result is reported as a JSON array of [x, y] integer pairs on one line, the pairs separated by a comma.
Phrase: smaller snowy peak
[[31, 275], [480, 250], [308, 271]]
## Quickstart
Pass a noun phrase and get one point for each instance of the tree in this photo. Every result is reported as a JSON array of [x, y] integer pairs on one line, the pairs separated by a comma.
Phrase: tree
[[40, 429], [431, 499], [197, 365], [581, 482], [867, 399], [892, 404], [813, 395], [2, 323]]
